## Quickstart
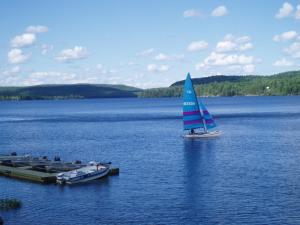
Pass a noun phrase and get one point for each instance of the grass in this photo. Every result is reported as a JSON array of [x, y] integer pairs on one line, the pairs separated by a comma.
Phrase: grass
[[6, 204]]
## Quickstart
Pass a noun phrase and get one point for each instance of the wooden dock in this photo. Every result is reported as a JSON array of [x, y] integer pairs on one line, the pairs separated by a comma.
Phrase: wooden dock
[[25, 168], [26, 173]]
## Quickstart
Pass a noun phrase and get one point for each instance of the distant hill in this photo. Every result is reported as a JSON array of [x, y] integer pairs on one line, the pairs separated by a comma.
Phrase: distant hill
[[217, 79], [68, 91], [287, 83]]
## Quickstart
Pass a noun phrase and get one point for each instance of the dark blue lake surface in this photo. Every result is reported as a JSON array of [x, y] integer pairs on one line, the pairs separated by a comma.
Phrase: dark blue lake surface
[[249, 175]]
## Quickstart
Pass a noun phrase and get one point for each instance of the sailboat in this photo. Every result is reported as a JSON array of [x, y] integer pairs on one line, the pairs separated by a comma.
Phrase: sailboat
[[195, 114]]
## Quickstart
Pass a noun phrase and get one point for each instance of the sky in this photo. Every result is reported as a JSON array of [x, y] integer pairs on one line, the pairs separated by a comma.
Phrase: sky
[[149, 43]]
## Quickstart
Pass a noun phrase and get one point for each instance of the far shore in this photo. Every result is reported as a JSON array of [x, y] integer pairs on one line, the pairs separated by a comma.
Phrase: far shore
[[66, 98]]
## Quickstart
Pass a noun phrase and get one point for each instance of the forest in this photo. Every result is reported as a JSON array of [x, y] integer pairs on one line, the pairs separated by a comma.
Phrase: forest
[[287, 83]]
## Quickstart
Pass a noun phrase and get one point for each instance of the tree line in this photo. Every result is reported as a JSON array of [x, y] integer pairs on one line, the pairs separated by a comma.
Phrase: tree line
[[287, 83]]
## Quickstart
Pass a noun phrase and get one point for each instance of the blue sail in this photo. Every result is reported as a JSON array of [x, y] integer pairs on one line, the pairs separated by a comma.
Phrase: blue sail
[[208, 119], [192, 118]]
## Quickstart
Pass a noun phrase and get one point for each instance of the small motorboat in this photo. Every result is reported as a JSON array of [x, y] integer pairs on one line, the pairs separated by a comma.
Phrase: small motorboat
[[92, 171]]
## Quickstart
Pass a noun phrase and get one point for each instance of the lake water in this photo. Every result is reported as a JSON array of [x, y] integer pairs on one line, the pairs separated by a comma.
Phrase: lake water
[[249, 175]]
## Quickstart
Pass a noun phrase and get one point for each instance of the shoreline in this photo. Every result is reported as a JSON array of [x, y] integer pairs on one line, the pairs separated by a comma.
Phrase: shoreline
[[137, 97]]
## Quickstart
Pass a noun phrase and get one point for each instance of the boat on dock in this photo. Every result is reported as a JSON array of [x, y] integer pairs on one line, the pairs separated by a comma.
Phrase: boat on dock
[[92, 171], [44, 170], [195, 114]]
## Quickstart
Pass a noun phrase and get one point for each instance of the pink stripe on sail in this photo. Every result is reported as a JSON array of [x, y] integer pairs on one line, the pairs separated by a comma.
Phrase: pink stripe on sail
[[191, 113], [192, 122], [209, 121]]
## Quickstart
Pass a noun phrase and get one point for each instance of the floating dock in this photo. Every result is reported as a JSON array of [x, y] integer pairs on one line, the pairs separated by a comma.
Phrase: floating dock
[[26, 173], [37, 169]]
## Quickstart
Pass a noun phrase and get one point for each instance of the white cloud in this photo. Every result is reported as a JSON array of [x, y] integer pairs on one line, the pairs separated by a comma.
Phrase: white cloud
[[37, 78], [162, 57], [23, 40], [131, 63], [15, 69], [197, 46], [224, 60], [232, 43], [227, 56], [293, 50], [157, 68], [112, 71], [249, 69], [286, 36], [225, 46], [229, 37], [200, 66], [191, 13], [67, 55], [283, 63], [146, 52], [163, 68], [16, 56], [165, 57], [59, 77], [9, 80], [220, 11], [235, 69], [103, 70], [246, 46], [297, 14], [178, 57], [46, 48], [242, 39], [151, 67], [220, 59], [276, 38], [37, 29], [12, 71], [285, 11], [99, 66], [65, 76], [87, 69]]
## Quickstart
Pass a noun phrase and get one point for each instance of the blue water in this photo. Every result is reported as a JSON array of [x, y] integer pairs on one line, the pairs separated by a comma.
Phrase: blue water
[[249, 175]]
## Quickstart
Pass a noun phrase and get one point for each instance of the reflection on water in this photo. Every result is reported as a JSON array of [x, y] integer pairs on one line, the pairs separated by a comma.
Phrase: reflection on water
[[198, 155], [199, 158]]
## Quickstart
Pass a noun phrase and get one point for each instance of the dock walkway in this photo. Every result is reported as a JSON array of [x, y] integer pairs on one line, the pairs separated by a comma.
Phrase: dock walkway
[[27, 174], [38, 169]]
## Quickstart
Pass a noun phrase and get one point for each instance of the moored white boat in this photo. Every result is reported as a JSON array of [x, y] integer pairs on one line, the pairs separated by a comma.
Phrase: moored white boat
[[87, 173]]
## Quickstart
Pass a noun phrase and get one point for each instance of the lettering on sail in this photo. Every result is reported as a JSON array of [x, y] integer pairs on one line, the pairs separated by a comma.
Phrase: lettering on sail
[[189, 103]]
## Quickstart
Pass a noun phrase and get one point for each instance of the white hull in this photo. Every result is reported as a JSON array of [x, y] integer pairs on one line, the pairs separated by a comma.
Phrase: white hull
[[211, 134], [84, 174], [90, 178]]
